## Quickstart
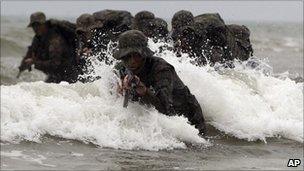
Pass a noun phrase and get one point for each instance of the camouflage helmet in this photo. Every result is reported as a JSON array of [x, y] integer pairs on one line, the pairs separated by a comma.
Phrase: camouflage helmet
[[209, 19], [161, 26], [182, 18], [86, 22], [132, 41], [102, 15], [240, 32], [37, 17], [144, 15], [158, 22]]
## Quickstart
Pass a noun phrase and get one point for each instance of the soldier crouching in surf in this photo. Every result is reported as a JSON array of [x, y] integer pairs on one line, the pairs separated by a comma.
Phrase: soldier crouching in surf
[[52, 50], [86, 30], [154, 81]]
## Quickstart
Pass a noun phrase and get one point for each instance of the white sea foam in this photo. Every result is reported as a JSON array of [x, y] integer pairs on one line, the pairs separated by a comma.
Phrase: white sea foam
[[90, 113], [246, 103], [19, 155], [242, 102]]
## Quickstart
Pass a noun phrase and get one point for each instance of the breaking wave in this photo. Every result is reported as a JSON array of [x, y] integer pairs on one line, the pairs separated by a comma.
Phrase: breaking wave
[[243, 102]]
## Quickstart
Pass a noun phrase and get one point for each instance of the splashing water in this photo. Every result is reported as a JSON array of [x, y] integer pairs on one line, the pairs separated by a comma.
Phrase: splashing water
[[243, 102]]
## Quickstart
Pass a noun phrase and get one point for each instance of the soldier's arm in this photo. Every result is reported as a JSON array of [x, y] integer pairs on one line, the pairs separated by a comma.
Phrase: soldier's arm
[[56, 52], [29, 55], [162, 97], [31, 49]]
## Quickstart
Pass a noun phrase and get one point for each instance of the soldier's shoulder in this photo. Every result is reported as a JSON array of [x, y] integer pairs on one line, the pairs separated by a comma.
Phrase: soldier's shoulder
[[60, 23], [159, 64]]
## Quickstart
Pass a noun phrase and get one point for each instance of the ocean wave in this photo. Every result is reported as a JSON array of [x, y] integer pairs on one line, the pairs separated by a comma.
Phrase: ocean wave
[[246, 103], [89, 113]]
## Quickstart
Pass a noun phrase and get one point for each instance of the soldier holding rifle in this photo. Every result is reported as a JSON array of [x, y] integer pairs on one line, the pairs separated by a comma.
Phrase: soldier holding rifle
[[154, 81]]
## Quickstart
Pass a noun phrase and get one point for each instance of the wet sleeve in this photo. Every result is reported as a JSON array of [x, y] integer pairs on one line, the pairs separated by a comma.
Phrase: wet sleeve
[[56, 53], [35, 42], [30, 50], [161, 98]]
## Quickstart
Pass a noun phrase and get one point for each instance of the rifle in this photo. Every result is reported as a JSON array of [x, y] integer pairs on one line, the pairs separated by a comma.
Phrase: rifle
[[23, 66], [132, 92]]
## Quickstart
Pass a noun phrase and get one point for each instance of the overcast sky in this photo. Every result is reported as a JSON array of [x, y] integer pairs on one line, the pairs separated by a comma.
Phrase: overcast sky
[[229, 10]]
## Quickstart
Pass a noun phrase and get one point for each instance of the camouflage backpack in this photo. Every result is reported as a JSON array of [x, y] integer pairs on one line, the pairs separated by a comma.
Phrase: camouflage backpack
[[114, 19], [207, 24], [66, 29], [242, 38]]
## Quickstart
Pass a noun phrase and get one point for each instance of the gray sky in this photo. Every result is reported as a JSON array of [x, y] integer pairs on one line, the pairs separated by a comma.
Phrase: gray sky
[[229, 10]]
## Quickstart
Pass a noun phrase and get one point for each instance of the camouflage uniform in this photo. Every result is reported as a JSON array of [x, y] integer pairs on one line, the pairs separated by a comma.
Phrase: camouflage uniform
[[167, 92], [207, 38], [211, 35], [155, 28], [114, 22], [222, 43], [242, 39], [182, 34], [182, 18], [143, 22], [53, 53], [85, 25], [160, 29]]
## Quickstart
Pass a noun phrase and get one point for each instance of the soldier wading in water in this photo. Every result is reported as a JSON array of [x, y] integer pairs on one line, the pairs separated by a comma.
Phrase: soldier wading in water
[[156, 81]]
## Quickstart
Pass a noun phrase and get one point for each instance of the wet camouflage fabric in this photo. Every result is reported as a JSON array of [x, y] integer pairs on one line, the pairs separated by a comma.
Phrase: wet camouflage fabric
[[209, 38], [167, 93], [114, 22], [242, 38], [54, 56], [182, 18], [155, 28]]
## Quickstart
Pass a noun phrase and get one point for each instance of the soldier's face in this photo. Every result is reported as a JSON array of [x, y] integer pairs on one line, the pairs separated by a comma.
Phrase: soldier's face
[[39, 29], [133, 62]]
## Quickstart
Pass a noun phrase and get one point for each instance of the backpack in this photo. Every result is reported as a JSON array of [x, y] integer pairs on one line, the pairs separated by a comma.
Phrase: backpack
[[242, 37], [114, 18], [208, 21], [66, 29]]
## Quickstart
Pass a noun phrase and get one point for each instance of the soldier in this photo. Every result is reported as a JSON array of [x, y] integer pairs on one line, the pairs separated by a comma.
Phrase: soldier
[[160, 29], [87, 34], [221, 42], [114, 22], [155, 28], [183, 34], [53, 49], [204, 38], [182, 18], [242, 39], [85, 27], [143, 21], [157, 83]]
